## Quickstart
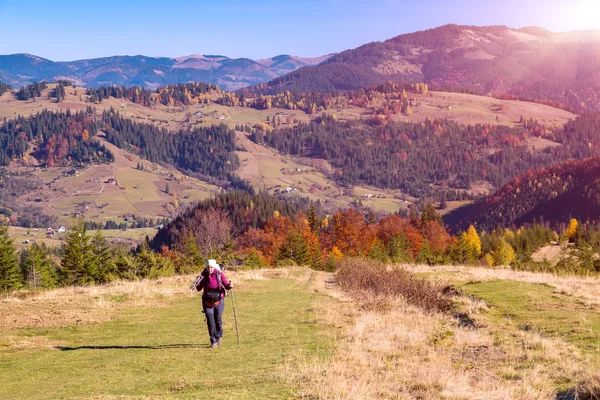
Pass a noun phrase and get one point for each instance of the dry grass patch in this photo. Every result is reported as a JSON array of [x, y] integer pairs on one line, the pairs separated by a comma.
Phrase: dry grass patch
[[407, 353], [585, 288]]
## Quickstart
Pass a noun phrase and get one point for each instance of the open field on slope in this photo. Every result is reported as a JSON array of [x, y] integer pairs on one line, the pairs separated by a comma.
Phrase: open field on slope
[[303, 338], [113, 191], [504, 346], [470, 109], [148, 340]]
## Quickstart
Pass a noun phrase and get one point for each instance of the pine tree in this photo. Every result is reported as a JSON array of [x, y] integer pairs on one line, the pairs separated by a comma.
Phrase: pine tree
[[10, 273], [426, 255], [78, 263], [295, 249], [167, 189], [313, 219], [40, 270], [399, 248], [430, 214], [103, 258]]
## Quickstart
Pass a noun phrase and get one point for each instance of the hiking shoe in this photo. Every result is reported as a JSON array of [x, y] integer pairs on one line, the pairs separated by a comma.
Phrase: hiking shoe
[[220, 342], [213, 346]]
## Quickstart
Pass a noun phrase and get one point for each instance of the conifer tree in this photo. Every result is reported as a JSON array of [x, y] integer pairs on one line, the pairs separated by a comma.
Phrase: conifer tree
[[189, 257], [313, 219], [295, 249], [399, 248], [40, 270], [10, 273], [78, 264], [426, 255], [102, 258]]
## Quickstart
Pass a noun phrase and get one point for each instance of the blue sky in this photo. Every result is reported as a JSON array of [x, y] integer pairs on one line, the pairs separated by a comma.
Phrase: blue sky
[[64, 30]]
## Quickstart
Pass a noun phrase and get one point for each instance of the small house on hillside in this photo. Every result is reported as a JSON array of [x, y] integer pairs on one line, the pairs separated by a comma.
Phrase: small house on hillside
[[62, 229]]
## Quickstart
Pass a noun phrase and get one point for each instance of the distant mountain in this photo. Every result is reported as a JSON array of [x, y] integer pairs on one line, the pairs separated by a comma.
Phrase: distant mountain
[[20, 69], [528, 62]]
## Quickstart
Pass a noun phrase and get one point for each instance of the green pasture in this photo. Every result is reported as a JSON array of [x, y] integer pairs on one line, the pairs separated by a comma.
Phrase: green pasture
[[161, 352]]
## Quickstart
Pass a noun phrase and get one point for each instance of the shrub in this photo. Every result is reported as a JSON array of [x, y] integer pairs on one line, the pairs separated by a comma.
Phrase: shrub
[[371, 283]]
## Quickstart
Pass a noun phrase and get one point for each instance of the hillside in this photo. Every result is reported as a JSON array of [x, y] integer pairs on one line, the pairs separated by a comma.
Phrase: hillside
[[151, 72], [556, 194], [263, 166], [529, 63]]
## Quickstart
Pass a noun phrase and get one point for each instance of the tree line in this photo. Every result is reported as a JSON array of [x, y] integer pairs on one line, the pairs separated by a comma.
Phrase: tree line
[[168, 95], [4, 87], [31, 91], [306, 236], [137, 222]]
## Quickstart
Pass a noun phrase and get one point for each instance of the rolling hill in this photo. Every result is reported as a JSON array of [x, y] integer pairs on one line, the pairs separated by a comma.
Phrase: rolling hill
[[20, 69], [528, 62], [141, 192], [556, 194]]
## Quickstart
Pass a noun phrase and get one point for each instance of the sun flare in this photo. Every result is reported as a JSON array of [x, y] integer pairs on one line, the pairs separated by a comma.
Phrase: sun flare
[[575, 14]]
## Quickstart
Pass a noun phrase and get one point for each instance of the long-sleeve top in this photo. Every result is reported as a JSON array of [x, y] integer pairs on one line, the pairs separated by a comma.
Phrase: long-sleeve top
[[210, 282]]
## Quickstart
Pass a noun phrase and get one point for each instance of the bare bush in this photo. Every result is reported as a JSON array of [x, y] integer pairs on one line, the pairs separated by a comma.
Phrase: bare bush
[[372, 284]]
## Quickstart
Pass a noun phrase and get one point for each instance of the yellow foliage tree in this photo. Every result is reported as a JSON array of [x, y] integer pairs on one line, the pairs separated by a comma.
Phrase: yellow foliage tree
[[474, 241], [504, 254], [572, 229]]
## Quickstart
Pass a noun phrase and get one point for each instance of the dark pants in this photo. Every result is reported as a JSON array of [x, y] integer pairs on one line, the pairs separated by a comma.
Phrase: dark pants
[[214, 320]]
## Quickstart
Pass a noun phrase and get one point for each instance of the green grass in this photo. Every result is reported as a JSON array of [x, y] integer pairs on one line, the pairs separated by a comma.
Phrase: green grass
[[161, 352], [530, 306]]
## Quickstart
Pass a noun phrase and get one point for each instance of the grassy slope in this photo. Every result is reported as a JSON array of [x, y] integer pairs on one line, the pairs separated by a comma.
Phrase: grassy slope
[[533, 338], [533, 306], [160, 351]]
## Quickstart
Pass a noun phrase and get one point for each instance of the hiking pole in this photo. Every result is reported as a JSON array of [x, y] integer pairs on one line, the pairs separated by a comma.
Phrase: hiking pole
[[235, 319]]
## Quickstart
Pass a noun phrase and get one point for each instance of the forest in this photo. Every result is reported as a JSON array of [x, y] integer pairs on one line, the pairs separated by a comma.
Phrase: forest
[[414, 157], [258, 231], [61, 138], [205, 152]]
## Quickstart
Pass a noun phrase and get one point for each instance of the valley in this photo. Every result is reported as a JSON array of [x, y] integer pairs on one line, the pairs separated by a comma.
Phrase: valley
[[110, 192]]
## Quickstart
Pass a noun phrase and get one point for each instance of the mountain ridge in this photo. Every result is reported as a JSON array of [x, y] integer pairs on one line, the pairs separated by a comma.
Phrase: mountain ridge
[[529, 62], [231, 73]]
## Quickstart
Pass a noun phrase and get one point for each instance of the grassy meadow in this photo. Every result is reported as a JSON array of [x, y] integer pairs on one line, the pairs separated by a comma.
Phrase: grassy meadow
[[510, 335], [149, 339]]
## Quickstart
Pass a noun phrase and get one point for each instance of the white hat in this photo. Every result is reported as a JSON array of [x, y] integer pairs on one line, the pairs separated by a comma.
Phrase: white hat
[[213, 263]]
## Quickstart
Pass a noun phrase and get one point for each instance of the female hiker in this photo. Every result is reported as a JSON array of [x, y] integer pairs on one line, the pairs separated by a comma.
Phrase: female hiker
[[213, 283]]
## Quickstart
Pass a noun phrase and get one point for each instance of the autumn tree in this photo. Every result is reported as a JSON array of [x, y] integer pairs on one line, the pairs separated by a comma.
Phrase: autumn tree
[[349, 233], [571, 229]]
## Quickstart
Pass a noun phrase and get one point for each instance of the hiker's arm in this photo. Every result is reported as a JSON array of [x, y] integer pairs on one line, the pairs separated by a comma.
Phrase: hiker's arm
[[198, 282], [226, 283]]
